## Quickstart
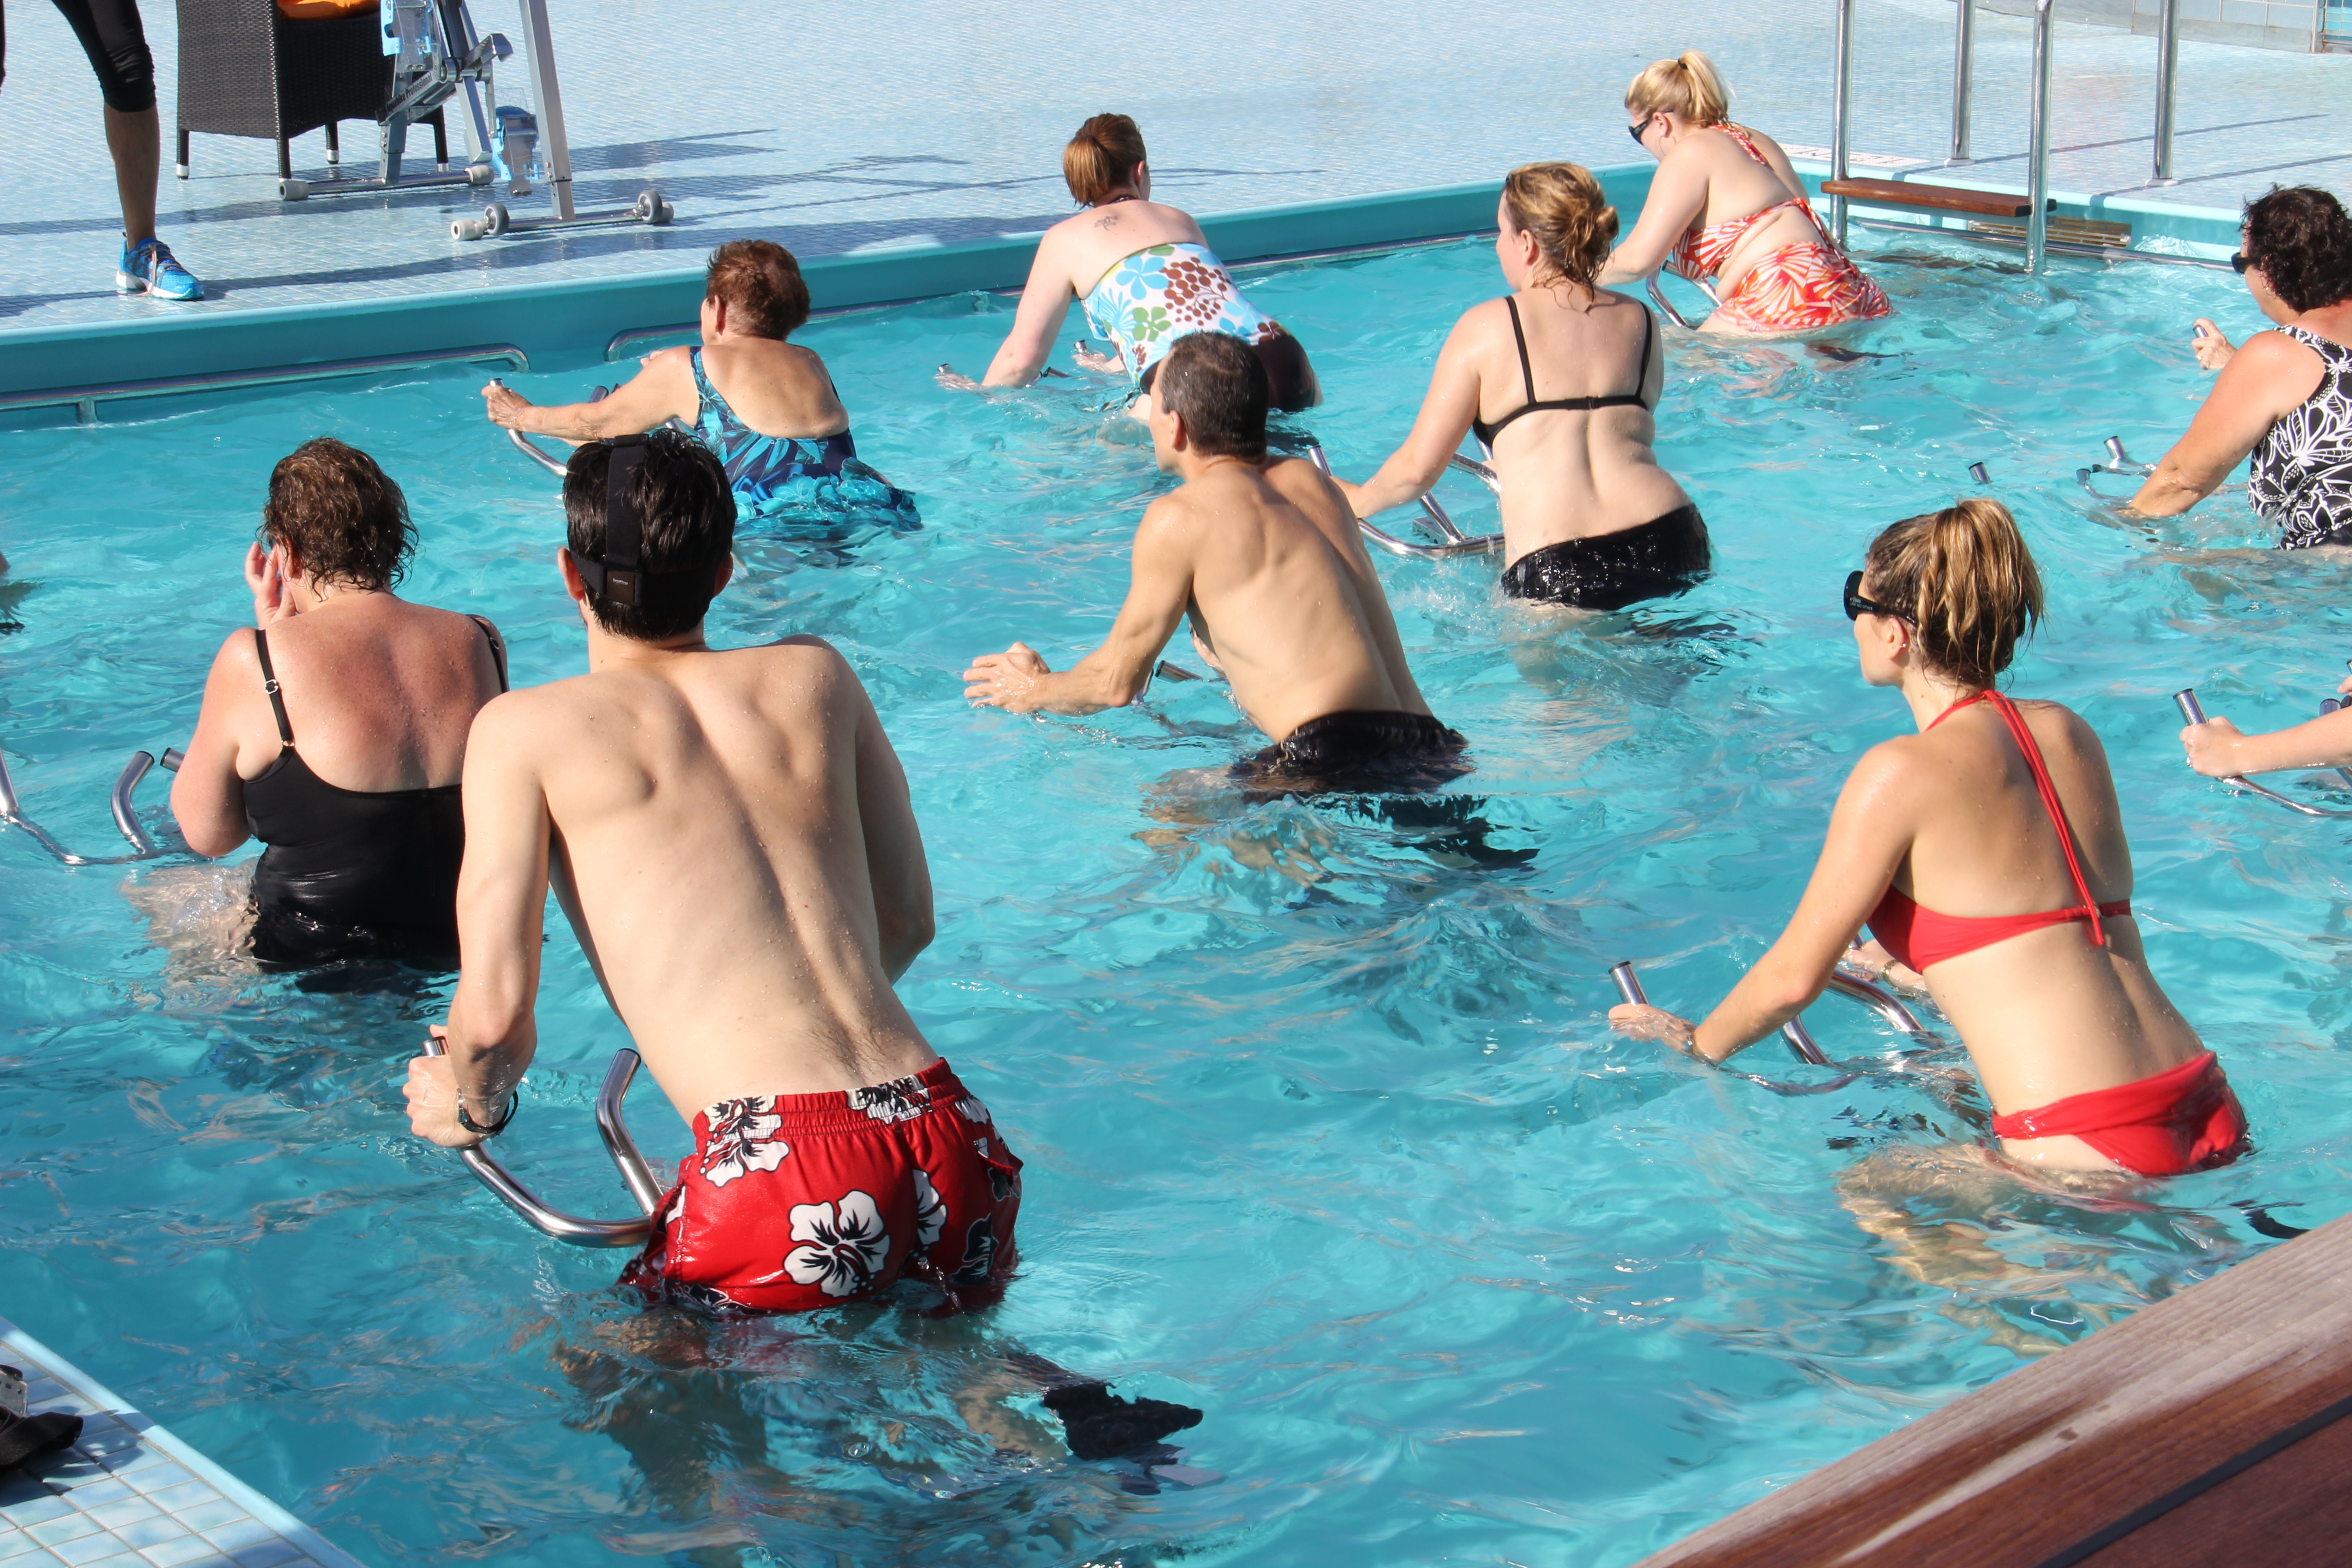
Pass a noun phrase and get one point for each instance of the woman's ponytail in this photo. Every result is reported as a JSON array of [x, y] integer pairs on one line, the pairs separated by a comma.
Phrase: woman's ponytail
[[1967, 582], [1101, 158], [1687, 85]]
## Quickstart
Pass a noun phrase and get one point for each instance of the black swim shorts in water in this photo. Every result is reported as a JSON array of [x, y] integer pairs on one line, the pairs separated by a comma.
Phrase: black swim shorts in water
[[1610, 571], [1361, 752]]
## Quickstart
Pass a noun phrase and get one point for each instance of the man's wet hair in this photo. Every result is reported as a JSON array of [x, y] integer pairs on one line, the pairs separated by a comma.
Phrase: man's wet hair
[[1214, 382], [687, 511]]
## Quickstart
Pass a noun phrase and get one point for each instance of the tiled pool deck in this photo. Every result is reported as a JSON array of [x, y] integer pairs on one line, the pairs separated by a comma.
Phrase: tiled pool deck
[[899, 122], [131, 1495]]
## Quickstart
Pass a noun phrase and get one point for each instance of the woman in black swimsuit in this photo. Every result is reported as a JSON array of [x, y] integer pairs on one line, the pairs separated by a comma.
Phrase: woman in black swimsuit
[[1590, 519], [363, 821]]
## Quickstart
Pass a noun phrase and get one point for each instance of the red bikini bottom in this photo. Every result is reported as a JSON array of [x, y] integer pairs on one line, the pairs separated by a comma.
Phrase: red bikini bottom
[[2184, 1119]]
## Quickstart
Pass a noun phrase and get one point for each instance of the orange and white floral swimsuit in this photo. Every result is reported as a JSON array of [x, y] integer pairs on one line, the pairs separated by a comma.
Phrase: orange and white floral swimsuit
[[1798, 288]]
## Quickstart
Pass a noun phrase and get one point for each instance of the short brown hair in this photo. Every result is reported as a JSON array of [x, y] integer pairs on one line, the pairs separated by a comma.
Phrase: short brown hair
[[685, 514], [341, 517], [760, 284], [1218, 386], [1101, 158], [1562, 207], [1965, 581], [1687, 85], [2301, 238]]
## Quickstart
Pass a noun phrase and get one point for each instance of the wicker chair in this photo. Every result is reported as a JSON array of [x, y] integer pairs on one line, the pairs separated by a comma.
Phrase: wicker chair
[[247, 70]]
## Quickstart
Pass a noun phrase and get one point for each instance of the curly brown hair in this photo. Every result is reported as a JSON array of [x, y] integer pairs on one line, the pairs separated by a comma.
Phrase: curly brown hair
[[2301, 238], [339, 515], [1965, 581], [760, 284], [1562, 207]]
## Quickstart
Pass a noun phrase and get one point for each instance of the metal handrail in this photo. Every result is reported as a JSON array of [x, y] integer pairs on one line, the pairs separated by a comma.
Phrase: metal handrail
[[2037, 222], [1963, 68], [553, 1221], [1666, 307], [2167, 69], [1456, 542], [86, 399], [2194, 713], [1841, 117], [119, 799]]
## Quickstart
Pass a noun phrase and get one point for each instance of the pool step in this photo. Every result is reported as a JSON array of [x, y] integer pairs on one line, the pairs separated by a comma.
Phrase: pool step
[[130, 1494]]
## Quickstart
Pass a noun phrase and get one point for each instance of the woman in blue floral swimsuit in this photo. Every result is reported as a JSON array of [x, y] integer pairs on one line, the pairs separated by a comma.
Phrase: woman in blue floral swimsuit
[[1145, 274], [764, 405]]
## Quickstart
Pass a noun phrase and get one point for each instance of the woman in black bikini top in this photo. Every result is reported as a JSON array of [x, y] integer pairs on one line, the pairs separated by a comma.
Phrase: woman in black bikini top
[[387, 689], [1590, 520]]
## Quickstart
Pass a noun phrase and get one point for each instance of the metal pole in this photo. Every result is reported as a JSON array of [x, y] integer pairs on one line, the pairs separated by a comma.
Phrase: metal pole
[[2037, 222], [1964, 66], [2167, 65], [1841, 127], [547, 98]]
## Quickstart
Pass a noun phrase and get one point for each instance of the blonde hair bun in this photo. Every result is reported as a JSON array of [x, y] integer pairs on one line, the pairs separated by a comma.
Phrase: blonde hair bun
[[1562, 205], [1966, 581], [1687, 85]]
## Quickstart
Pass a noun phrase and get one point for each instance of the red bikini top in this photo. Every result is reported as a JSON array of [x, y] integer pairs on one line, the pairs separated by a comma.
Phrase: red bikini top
[[1919, 937]]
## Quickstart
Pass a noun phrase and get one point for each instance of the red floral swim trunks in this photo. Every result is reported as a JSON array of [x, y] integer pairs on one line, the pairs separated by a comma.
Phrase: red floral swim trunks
[[793, 1202]]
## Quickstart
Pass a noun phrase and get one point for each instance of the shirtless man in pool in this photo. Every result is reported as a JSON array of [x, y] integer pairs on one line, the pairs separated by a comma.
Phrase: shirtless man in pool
[[1264, 556], [730, 836]]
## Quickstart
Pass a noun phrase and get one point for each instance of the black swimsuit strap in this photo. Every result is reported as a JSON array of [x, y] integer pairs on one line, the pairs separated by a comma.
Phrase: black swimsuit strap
[[1649, 336], [1526, 374], [270, 684], [498, 650]]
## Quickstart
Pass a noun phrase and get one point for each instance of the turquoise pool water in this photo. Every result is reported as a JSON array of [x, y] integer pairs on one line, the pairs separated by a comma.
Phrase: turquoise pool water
[[1326, 1131]]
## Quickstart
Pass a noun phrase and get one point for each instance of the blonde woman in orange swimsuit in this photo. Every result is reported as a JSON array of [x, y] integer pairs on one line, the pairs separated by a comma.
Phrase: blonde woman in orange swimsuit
[[1726, 205]]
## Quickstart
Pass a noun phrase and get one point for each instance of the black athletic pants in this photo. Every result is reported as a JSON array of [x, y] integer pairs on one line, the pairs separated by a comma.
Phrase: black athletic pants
[[117, 46]]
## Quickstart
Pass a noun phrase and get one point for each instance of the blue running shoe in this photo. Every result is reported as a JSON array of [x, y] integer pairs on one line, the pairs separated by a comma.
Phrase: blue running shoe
[[149, 268]]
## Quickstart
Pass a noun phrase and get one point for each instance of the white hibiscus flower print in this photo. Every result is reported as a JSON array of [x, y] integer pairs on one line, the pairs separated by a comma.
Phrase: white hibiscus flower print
[[900, 1100], [930, 1212], [846, 1248], [974, 1111], [742, 1139]]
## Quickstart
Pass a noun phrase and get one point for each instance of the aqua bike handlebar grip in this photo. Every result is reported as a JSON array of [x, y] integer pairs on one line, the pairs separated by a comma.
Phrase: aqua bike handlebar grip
[[2191, 710], [1629, 986]]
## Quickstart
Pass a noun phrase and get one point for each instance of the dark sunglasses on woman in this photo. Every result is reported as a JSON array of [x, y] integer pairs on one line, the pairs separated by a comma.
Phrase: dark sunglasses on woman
[[1638, 131], [2239, 262], [1856, 606]]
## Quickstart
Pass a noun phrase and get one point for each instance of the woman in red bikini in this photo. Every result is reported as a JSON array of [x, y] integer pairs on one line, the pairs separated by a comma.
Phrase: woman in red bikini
[[1726, 205], [1988, 853]]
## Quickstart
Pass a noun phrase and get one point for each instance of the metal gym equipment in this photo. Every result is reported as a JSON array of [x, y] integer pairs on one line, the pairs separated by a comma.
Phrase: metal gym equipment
[[2122, 462], [126, 820], [1802, 1046], [440, 55], [1457, 543], [635, 1172], [2193, 711]]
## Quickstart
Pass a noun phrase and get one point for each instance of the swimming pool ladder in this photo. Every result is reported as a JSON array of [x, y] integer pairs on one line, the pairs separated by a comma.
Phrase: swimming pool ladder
[[635, 1172], [1801, 1044], [2194, 713], [1457, 543], [2122, 462], [143, 845]]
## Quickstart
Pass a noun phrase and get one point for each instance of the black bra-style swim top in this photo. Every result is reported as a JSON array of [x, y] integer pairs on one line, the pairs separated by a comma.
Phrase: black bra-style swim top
[[1485, 433], [349, 872]]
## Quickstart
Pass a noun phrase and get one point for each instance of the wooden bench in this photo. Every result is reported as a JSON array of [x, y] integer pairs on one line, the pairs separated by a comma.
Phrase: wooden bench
[[1943, 198]]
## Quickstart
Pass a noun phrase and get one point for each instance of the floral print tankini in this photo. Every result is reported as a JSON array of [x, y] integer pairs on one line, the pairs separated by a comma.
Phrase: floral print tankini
[[2302, 474], [794, 478], [1148, 301], [1796, 287]]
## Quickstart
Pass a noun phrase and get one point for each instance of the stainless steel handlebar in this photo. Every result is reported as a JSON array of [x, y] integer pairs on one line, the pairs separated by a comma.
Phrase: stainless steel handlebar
[[1456, 542], [2193, 711], [532, 450], [1869, 994], [119, 800], [2122, 462], [553, 1221]]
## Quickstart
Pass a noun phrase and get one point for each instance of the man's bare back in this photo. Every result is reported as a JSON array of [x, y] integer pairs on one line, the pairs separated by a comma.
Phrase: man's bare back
[[1264, 556], [730, 836]]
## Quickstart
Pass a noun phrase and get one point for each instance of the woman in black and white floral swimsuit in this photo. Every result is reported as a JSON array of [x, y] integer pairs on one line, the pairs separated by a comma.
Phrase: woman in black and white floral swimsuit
[[2286, 395]]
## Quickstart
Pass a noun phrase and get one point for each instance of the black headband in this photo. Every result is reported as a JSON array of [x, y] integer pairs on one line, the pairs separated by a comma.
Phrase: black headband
[[620, 577]]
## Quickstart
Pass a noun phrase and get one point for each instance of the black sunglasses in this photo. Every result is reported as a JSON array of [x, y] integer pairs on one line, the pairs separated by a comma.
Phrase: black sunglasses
[[2240, 261], [1638, 131], [1856, 606]]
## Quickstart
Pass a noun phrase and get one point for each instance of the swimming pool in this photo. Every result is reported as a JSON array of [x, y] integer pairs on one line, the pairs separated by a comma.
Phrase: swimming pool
[[1326, 1131]]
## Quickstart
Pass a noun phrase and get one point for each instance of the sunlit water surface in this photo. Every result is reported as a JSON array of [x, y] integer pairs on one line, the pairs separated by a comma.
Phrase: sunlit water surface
[[1325, 1132]]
